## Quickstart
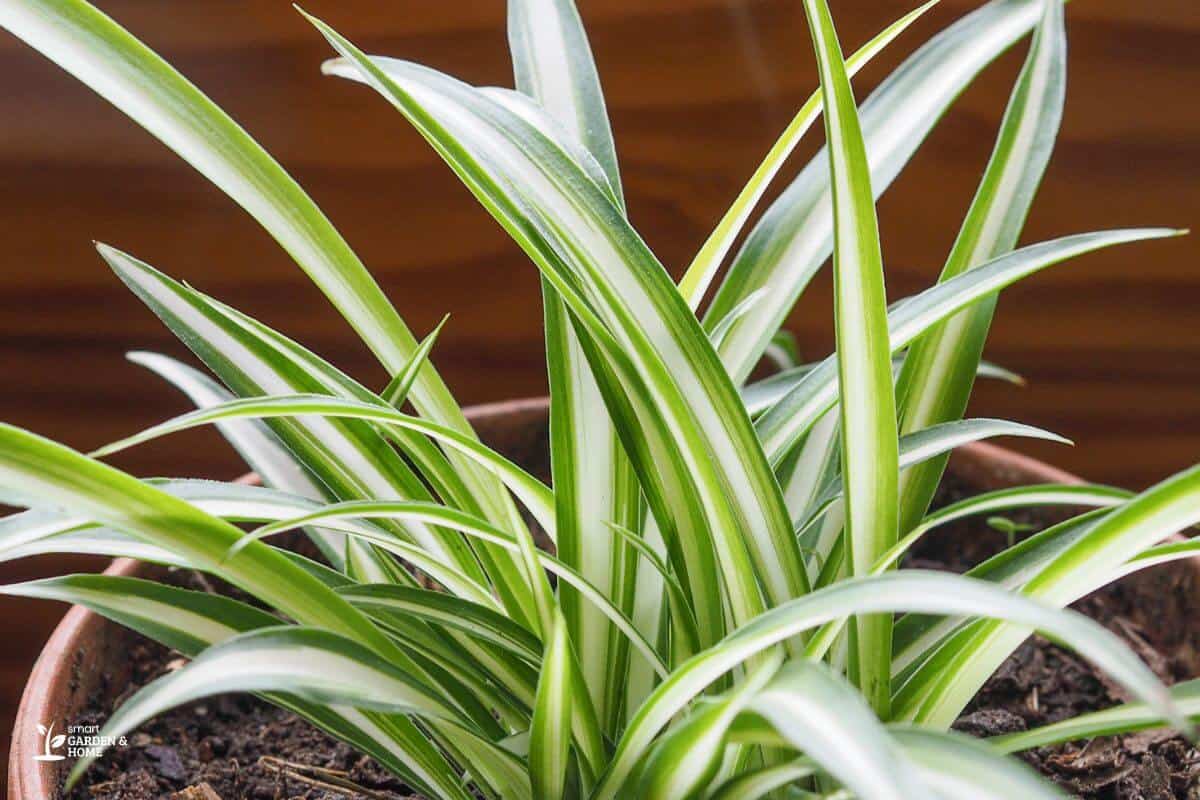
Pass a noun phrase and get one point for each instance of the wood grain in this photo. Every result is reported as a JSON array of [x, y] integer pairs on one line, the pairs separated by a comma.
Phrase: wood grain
[[697, 90]]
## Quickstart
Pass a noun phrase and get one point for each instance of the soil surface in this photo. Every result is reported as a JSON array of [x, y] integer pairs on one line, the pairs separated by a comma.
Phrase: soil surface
[[232, 746], [1041, 683], [237, 746]]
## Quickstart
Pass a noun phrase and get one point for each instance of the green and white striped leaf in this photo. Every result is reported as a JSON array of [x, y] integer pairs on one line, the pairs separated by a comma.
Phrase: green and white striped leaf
[[254, 442], [1172, 505], [549, 738], [479, 621], [39, 531], [258, 446], [593, 479], [821, 530], [550, 732], [916, 638], [350, 459], [1050, 494], [398, 388], [58, 477], [938, 374], [685, 638], [689, 756], [788, 420], [1125, 718], [811, 467], [315, 665], [93, 541], [235, 502], [761, 395], [692, 754], [1159, 554], [495, 667], [912, 591], [443, 476], [942, 686], [55, 476], [867, 411], [704, 266], [533, 494], [183, 620], [954, 765], [760, 782], [553, 64], [705, 587], [816, 712], [491, 687], [917, 448], [90, 538], [191, 621], [470, 526], [795, 235], [520, 177], [594, 485], [101, 54]]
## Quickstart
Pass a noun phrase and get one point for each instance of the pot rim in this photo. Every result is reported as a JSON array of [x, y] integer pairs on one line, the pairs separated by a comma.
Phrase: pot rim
[[51, 676]]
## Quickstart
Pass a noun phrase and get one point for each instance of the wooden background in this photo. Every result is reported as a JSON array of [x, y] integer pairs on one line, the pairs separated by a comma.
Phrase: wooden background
[[697, 90]]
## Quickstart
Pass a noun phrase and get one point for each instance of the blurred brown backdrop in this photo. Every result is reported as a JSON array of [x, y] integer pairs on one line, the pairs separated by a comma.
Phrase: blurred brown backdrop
[[697, 90]]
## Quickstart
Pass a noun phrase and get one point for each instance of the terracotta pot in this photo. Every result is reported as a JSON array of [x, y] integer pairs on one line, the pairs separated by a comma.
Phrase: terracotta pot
[[86, 653]]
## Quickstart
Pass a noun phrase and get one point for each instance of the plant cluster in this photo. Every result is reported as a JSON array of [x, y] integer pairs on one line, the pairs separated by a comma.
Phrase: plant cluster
[[724, 612]]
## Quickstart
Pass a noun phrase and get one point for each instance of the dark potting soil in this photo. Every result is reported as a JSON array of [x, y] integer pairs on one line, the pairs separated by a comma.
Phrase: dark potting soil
[[1040, 683], [231, 746], [236, 746]]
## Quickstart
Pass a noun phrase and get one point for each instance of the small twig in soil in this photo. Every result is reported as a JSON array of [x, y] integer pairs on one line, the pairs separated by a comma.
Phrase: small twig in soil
[[200, 791], [1033, 702], [320, 777]]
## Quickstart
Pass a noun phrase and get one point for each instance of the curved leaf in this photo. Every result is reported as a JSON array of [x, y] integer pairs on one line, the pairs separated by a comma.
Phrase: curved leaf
[[939, 371], [480, 621], [532, 492], [1045, 494], [313, 664], [471, 526], [704, 266], [760, 782], [789, 418], [55, 476], [955, 765], [912, 591], [254, 441], [528, 184], [191, 621], [818, 714], [1088, 562], [795, 235], [1125, 718]]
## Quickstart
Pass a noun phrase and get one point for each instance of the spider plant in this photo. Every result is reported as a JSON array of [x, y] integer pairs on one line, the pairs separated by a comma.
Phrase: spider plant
[[725, 613]]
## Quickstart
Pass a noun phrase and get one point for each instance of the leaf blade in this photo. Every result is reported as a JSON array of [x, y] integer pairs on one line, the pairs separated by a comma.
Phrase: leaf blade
[[938, 372], [869, 448], [795, 235], [707, 261]]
